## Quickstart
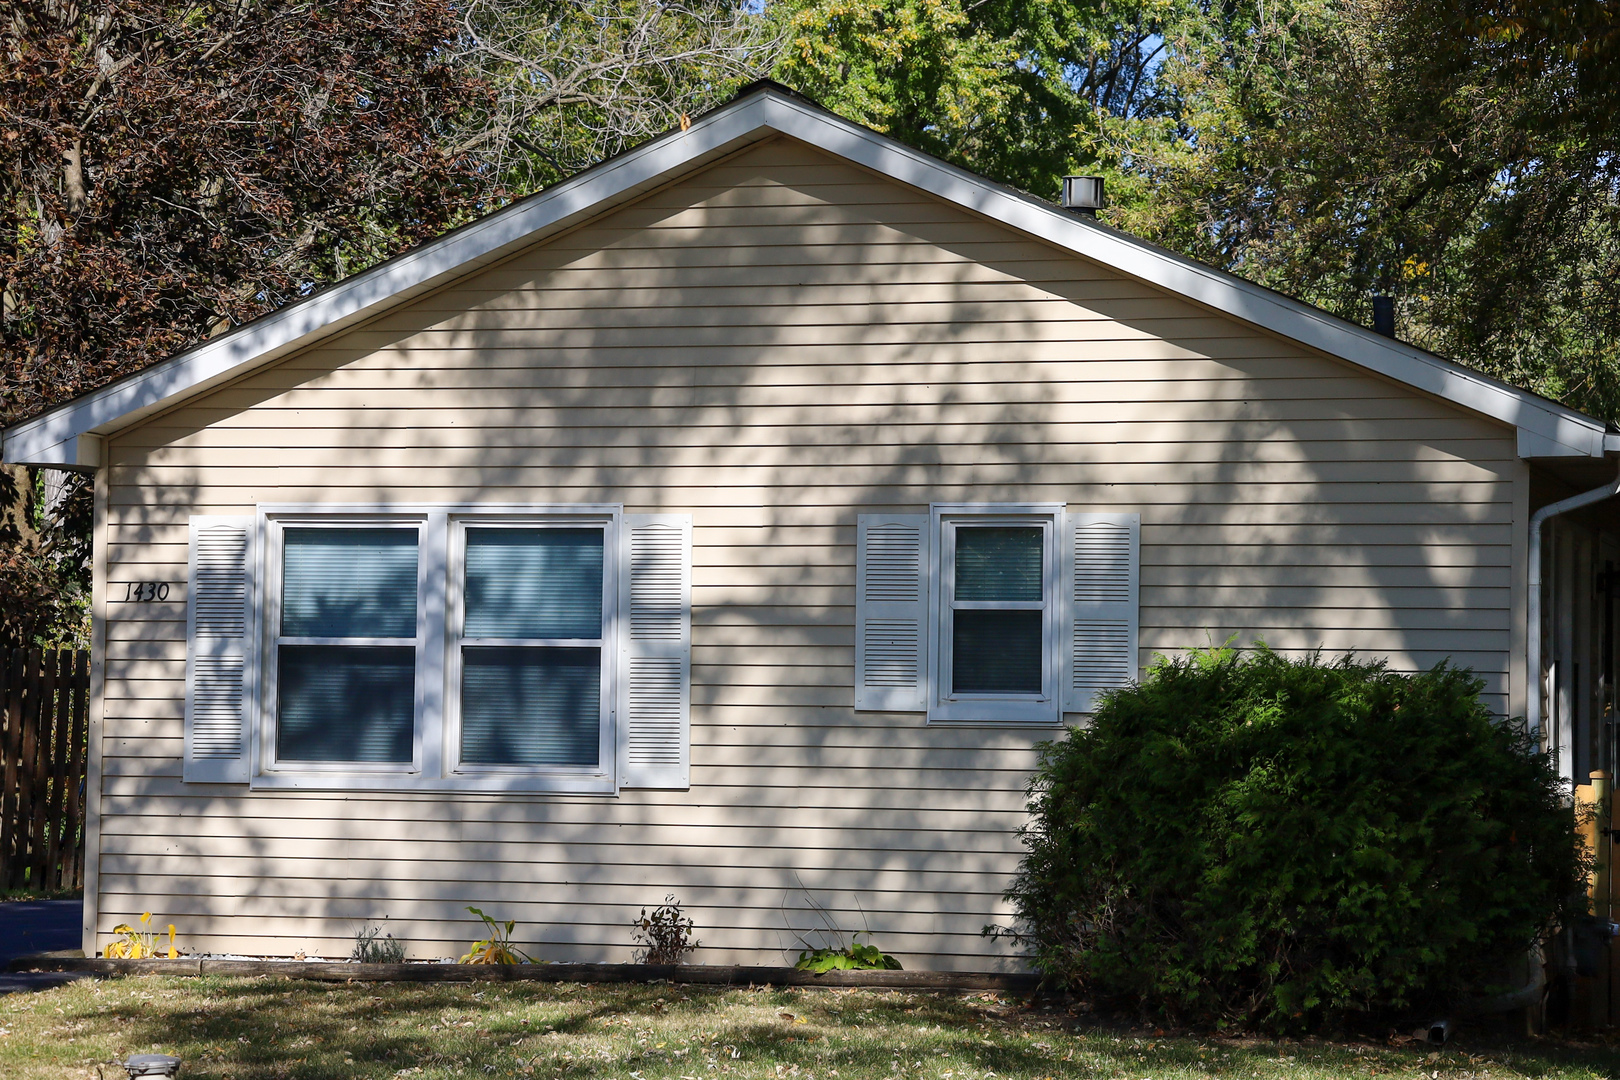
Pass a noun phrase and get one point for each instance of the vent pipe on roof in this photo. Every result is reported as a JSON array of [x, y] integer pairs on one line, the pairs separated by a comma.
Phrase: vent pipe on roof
[[1084, 194], [1384, 315]]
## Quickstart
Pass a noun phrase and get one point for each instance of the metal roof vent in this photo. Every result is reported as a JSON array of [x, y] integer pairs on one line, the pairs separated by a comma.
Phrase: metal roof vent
[[1083, 193]]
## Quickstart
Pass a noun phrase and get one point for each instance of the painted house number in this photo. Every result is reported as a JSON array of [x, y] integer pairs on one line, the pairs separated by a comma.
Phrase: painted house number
[[145, 592]]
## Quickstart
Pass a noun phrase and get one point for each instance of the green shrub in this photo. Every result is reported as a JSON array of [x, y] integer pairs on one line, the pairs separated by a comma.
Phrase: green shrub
[[1249, 839]]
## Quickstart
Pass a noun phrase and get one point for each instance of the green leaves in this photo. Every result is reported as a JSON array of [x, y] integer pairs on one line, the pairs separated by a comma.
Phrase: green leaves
[[1013, 89], [1251, 839], [857, 957], [498, 947]]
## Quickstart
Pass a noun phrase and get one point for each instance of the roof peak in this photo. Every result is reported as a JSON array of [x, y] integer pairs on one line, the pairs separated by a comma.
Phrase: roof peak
[[67, 436]]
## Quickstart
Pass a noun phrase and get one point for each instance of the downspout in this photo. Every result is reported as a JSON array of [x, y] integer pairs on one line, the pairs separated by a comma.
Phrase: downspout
[[1532, 705]]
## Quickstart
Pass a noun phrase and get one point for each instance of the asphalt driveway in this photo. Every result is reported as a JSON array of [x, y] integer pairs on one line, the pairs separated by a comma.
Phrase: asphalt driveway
[[36, 926]]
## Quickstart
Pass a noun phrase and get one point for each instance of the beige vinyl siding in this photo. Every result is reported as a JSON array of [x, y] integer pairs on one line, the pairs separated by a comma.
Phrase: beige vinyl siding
[[775, 346]]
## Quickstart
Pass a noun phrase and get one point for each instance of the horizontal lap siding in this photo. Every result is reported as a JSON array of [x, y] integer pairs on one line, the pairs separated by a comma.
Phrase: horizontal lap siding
[[775, 346]]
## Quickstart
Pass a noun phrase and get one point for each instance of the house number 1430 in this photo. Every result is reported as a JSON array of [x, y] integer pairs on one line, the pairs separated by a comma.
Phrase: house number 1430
[[145, 592]]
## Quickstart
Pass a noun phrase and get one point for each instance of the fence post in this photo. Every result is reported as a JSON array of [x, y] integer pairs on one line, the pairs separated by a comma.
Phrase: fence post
[[27, 770], [55, 823], [10, 746], [38, 867], [79, 751]]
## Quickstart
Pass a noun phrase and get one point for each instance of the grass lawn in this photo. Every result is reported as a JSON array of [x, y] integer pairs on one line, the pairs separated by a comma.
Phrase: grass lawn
[[275, 1028]]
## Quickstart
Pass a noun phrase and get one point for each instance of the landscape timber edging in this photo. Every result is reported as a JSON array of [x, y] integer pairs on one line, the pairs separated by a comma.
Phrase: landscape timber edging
[[696, 974]]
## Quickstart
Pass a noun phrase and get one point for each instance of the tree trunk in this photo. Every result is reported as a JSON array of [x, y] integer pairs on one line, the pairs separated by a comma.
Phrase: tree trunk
[[73, 178]]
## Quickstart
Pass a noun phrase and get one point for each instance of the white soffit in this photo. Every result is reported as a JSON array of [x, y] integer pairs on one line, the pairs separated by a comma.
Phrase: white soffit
[[66, 435]]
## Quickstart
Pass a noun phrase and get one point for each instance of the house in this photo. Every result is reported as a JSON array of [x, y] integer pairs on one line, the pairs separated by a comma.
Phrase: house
[[733, 521]]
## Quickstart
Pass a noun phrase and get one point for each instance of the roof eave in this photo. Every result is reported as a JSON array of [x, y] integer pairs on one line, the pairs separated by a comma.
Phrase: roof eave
[[53, 437], [65, 437]]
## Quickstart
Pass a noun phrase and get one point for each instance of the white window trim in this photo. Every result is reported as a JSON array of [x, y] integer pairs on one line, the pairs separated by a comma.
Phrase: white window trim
[[430, 769], [944, 707]]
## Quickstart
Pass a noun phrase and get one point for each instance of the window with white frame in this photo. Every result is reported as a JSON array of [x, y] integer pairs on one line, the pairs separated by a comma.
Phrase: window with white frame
[[440, 648], [994, 614], [997, 617], [346, 646], [531, 653]]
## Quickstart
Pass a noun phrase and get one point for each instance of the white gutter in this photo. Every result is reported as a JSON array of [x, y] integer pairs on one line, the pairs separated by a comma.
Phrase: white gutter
[[1532, 705]]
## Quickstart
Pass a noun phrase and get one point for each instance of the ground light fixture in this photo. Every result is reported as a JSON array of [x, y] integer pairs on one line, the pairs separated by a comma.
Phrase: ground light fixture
[[152, 1065]]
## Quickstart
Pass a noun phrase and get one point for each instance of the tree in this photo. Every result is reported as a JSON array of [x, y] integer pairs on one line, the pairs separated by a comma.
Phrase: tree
[[1459, 155], [44, 561], [577, 81], [1016, 89], [170, 168]]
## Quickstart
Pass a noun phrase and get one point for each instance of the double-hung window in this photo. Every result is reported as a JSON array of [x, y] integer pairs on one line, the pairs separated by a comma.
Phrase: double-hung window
[[997, 617], [531, 656], [994, 613], [347, 646], [480, 649]]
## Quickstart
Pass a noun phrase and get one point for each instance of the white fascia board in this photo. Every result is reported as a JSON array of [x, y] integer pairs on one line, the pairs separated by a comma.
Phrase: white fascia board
[[1545, 428], [1553, 430], [51, 438]]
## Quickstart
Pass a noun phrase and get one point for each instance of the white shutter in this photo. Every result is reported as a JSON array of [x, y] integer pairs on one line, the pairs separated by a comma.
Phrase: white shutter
[[891, 613], [655, 614], [221, 661], [1102, 572]]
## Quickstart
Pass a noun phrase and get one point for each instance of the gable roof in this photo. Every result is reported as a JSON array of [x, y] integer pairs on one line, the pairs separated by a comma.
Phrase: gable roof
[[67, 436]]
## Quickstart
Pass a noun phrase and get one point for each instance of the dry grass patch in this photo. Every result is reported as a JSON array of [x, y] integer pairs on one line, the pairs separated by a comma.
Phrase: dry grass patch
[[276, 1029]]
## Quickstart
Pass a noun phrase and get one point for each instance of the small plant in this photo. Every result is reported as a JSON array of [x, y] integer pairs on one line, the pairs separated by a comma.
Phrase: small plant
[[498, 947], [666, 934], [836, 956], [857, 957], [133, 944], [374, 947]]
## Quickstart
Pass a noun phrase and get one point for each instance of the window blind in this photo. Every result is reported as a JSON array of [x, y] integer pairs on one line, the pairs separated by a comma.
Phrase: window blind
[[348, 583], [998, 563], [534, 583], [997, 650], [346, 703], [531, 706]]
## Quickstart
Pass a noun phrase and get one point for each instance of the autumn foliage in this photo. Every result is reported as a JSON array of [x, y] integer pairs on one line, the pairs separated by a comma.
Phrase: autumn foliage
[[171, 169]]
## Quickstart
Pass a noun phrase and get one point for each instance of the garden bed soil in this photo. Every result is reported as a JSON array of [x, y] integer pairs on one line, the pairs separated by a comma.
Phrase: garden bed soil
[[697, 974]]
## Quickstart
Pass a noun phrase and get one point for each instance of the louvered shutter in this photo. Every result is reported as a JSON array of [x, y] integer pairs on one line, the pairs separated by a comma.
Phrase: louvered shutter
[[1103, 556], [655, 675], [221, 662], [891, 613]]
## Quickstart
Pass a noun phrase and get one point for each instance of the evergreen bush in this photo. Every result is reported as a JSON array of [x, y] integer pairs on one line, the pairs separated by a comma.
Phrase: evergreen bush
[[1249, 839]]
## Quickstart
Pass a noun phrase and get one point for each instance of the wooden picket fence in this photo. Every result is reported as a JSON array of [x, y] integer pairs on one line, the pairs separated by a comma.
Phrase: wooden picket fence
[[44, 704]]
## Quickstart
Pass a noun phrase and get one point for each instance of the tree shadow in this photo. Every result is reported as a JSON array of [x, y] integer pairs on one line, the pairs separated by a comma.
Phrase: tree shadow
[[776, 346]]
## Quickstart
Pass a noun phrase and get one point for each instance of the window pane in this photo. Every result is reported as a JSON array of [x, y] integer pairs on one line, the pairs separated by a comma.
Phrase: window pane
[[534, 583], [996, 652], [348, 583], [531, 706], [998, 563], [345, 703]]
